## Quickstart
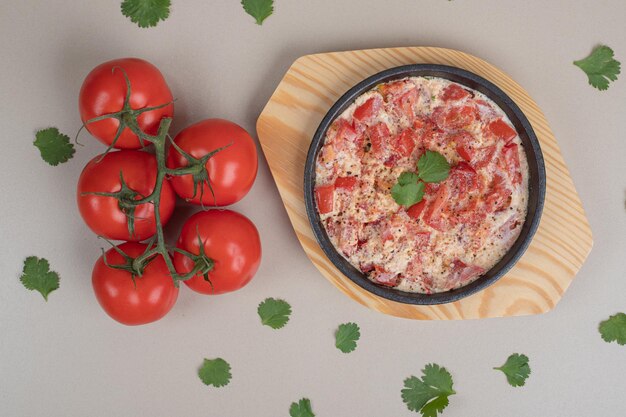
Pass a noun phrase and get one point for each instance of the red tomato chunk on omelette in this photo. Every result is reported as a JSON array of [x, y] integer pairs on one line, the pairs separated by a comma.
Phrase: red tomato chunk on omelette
[[463, 226]]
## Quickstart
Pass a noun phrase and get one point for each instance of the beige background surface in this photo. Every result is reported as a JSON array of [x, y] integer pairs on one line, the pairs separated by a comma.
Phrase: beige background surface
[[67, 358]]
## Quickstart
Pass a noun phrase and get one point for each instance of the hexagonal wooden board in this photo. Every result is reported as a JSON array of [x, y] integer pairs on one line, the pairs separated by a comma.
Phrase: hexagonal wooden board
[[309, 89]]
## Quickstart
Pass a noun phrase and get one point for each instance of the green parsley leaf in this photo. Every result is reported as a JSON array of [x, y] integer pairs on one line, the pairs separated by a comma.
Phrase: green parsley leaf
[[259, 9], [301, 409], [215, 372], [600, 67], [614, 329], [146, 13], [433, 167], [346, 337], [428, 395], [274, 313], [55, 147], [408, 190], [516, 369], [36, 275]]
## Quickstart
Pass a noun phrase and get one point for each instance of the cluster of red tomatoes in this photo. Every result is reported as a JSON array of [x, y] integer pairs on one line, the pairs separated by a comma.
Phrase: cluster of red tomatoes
[[117, 98]]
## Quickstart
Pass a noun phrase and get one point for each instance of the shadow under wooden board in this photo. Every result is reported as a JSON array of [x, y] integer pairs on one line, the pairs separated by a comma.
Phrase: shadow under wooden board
[[312, 85]]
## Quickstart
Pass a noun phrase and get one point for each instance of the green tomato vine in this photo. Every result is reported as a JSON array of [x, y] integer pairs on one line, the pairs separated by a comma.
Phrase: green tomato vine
[[129, 199]]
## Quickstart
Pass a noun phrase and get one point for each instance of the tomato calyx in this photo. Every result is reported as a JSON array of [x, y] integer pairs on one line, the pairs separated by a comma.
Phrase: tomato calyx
[[127, 200], [126, 117], [202, 264], [196, 167], [134, 266]]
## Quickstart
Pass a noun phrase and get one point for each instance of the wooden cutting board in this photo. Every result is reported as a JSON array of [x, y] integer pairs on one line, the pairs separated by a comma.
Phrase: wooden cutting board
[[312, 85]]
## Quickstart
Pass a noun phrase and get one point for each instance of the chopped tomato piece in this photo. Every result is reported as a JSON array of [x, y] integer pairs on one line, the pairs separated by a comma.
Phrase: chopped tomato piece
[[381, 276], [502, 130], [347, 183], [379, 137], [510, 155], [463, 178], [369, 109], [405, 104], [464, 144], [485, 156], [392, 89], [415, 210], [498, 196], [454, 92], [433, 214], [404, 143], [462, 273], [324, 195], [453, 118], [430, 134], [473, 213], [345, 134], [508, 231]]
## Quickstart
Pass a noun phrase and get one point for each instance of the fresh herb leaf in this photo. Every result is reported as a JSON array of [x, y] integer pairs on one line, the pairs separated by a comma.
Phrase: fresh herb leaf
[[516, 369], [54, 146], [428, 395], [408, 194], [433, 167], [259, 9], [36, 275], [301, 409], [274, 313], [600, 67], [614, 329], [146, 13], [215, 372], [346, 337], [407, 178]]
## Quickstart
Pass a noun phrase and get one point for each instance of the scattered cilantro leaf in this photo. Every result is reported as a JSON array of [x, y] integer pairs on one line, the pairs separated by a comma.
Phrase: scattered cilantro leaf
[[346, 337], [215, 372], [54, 146], [433, 167], [600, 67], [516, 369], [146, 13], [36, 275], [274, 313], [428, 395], [614, 329], [301, 409], [407, 193], [259, 9]]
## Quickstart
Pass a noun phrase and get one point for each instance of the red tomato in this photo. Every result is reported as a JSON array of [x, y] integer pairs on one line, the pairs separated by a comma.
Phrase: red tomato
[[511, 162], [347, 183], [462, 273], [415, 210], [462, 179], [502, 130], [405, 142], [454, 92], [104, 90], [230, 239], [483, 157], [343, 135], [433, 214], [149, 298], [379, 137], [464, 144], [453, 118], [498, 195], [404, 105], [368, 109], [103, 214], [232, 170], [324, 195]]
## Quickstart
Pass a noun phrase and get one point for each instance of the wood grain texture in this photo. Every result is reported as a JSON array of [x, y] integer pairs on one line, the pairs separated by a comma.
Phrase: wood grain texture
[[312, 85]]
